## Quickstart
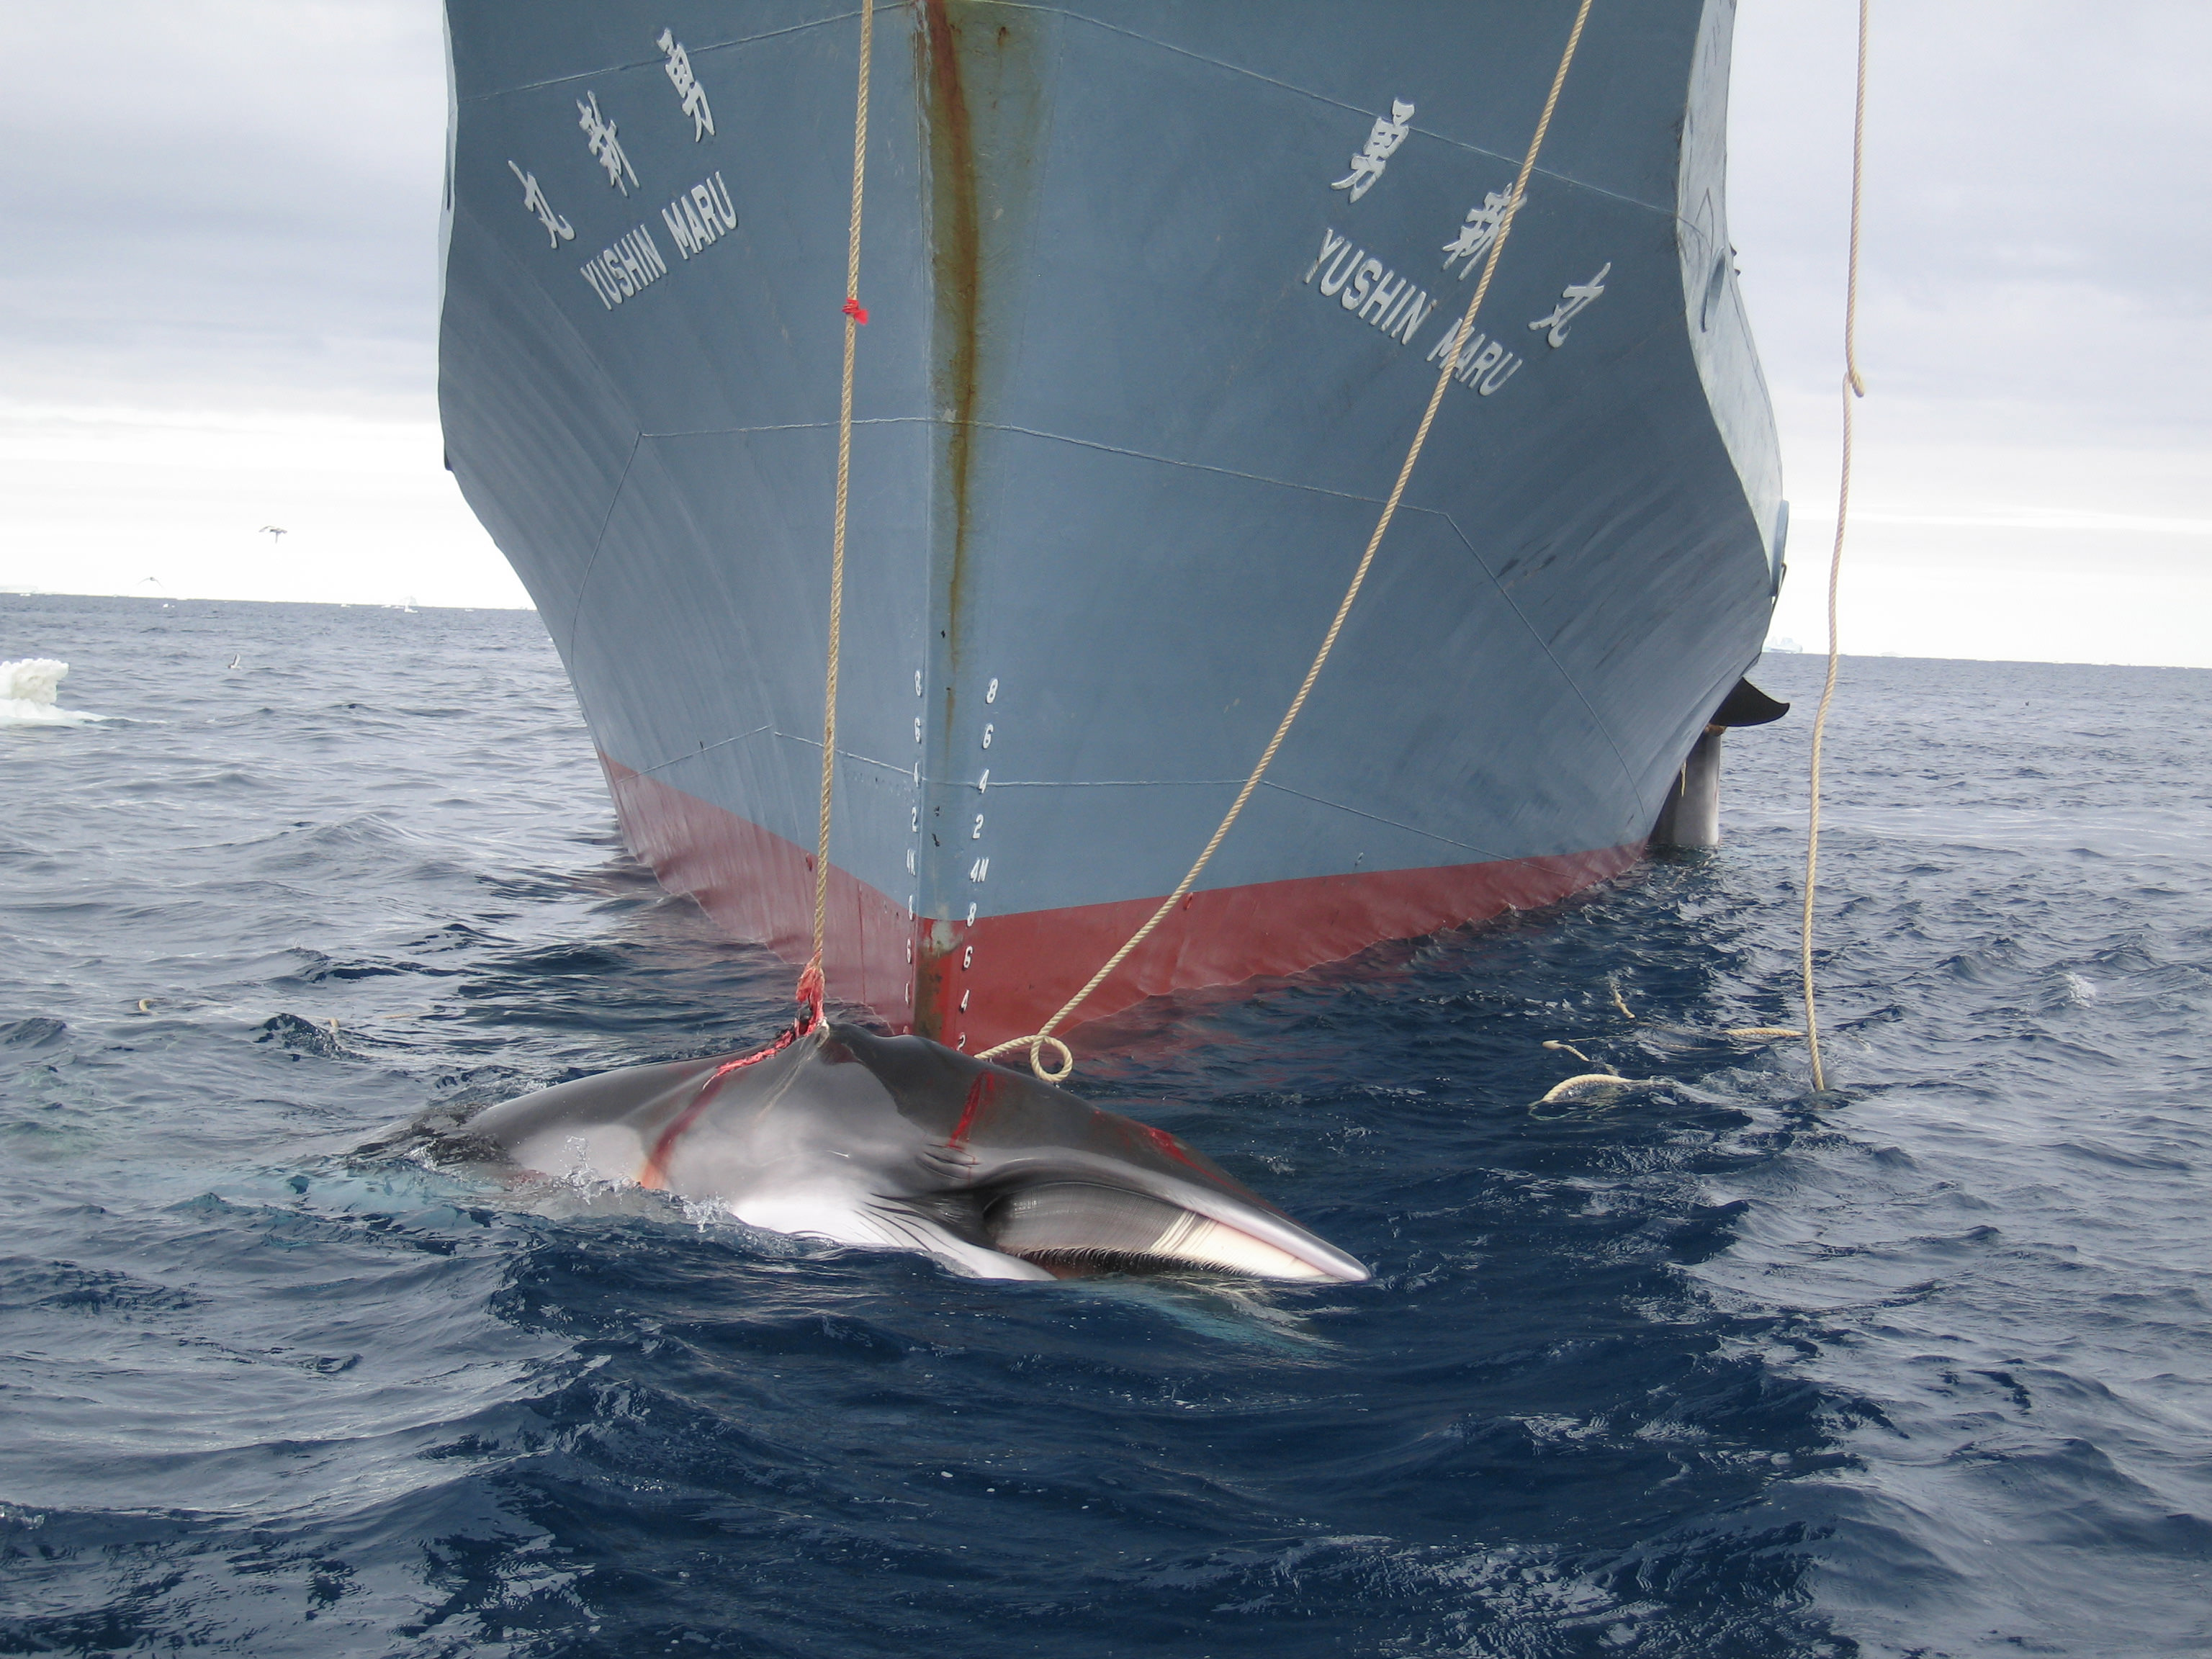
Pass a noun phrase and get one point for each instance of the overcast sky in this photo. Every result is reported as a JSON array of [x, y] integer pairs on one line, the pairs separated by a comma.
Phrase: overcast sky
[[220, 312]]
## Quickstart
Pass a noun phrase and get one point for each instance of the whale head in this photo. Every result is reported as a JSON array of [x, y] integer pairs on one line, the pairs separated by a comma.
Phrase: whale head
[[900, 1142]]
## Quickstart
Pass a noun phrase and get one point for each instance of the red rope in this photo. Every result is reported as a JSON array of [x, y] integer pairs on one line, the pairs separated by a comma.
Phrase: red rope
[[811, 990]]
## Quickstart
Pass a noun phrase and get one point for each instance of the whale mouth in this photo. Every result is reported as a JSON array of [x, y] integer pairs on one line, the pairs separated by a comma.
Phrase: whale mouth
[[1073, 1228]]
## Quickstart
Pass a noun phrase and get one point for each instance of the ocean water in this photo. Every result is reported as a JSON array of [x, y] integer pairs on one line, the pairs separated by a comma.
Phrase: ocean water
[[1705, 1368]]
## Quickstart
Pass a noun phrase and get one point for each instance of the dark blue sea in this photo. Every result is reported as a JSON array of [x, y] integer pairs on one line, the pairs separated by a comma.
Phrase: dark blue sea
[[1705, 1368]]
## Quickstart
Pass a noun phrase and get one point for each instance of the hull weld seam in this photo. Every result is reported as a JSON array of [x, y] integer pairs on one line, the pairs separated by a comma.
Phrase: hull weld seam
[[598, 544], [655, 62], [1334, 103]]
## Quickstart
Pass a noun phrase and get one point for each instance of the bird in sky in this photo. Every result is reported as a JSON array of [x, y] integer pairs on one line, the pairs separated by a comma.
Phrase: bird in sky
[[275, 533]]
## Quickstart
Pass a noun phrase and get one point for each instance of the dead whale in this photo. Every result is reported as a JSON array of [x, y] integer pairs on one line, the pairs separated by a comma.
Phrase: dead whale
[[899, 1142]]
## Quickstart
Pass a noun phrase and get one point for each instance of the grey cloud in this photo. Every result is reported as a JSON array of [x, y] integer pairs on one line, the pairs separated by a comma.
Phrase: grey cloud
[[232, 205], [228, 199], [2033, 227]]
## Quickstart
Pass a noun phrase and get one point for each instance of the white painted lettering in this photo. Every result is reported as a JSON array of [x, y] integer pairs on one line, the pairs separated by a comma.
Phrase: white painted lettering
[[557, 229], [606, 149], [1378, 296], [1417, 313], [688, 89], [699, 208], [626, 250], [591, 275], [686, 237], [1498, 376], [697, 220], [1362, 281], [1330, 242], [1476, 235], [613, 266], [1572, 299], [724, 205], [1382, 142], [648, 253], [1384, 299]]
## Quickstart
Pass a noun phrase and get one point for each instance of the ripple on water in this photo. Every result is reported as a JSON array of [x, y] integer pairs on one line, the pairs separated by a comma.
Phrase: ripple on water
[[1692, 1369]]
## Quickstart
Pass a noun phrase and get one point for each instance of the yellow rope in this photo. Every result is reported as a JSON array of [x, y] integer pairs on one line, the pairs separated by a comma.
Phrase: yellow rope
[[1854, 388], [1035, 1043], [1568, 1048], [853, 318]]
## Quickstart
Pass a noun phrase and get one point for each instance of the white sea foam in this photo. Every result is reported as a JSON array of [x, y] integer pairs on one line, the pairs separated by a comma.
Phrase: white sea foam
[[26, 694]]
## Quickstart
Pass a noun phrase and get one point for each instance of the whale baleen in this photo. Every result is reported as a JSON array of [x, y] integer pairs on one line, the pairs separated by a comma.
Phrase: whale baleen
[[842, 1135]]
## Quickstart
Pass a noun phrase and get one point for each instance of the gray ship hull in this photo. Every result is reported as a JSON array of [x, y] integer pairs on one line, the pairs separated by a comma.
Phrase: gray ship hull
[[1157, 293]]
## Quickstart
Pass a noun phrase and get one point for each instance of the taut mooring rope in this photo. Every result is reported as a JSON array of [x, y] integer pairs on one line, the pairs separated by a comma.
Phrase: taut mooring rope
[[1035, 1042], [1854, 388], [812, 983]]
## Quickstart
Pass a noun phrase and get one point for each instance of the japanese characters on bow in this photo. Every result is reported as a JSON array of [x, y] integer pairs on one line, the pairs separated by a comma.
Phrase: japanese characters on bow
[[1370, 287], [696, 217]]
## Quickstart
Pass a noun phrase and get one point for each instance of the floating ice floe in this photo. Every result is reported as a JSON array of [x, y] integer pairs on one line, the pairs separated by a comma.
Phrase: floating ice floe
[[26, 694]]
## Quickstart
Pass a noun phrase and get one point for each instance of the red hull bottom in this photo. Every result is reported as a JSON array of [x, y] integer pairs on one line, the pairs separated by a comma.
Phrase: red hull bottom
[[975, 985]]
